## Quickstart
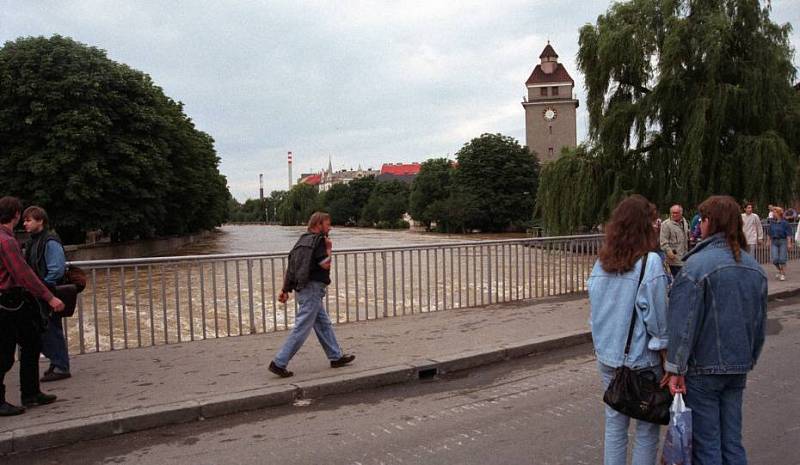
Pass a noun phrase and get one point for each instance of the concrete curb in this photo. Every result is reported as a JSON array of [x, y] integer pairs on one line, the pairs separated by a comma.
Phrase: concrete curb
[[105, 425], [101, 426]]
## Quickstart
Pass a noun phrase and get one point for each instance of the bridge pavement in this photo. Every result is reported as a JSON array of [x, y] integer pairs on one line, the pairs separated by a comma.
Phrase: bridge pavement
[[130, 390]]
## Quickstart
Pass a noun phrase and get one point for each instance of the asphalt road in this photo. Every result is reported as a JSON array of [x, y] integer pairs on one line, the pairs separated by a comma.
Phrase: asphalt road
[[540, 410]]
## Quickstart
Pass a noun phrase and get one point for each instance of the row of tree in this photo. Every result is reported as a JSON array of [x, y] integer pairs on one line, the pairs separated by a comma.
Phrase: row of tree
[[100, 146], [490, 187]]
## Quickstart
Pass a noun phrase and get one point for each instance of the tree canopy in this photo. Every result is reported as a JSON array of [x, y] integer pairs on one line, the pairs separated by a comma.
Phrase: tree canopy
[[497, 179], [99, 145], [430, 188], [686, 99]]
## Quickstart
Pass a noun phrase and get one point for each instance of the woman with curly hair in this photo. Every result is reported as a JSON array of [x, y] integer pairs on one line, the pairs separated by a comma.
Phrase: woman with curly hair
[[618, 287]]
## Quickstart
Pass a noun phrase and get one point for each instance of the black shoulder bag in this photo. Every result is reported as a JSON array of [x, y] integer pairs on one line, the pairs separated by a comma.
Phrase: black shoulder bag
[[636, 393]]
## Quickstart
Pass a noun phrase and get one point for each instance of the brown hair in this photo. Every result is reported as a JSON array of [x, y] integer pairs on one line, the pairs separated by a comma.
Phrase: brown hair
[[37, 213], [9, 207], [317, 219], [722, 214], [778, 212], [629, 234]]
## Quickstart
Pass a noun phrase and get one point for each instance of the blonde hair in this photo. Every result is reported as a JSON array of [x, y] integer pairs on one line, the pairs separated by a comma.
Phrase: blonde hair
[[317, 219]]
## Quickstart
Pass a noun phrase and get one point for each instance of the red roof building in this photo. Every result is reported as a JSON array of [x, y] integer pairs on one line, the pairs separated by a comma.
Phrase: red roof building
[[400, 169], [550, 107], [312, 179]]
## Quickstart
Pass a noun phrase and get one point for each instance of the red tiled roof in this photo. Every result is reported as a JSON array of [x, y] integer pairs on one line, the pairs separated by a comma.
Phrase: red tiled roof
[[312, 180], [548, 52], [540, 77], [400, 169]]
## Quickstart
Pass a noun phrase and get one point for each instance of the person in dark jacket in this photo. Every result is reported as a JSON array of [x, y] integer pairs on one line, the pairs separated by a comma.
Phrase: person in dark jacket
[[716, 323], [19, 316], [308, 273], [45, 254]]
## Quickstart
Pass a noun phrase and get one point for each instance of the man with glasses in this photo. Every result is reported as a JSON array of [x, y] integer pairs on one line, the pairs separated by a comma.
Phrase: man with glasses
[[674, 238]]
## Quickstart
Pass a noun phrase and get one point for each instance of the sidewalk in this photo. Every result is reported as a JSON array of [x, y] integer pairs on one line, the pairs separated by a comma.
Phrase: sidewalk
[[130, 390]]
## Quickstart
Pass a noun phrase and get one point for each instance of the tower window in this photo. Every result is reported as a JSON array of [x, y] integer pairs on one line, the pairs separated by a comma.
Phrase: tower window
[[543, 92], [555, 91], [551, 130], [550, 151]]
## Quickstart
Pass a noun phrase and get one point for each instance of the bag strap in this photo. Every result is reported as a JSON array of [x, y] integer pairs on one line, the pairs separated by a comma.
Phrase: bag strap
[[633, 318]]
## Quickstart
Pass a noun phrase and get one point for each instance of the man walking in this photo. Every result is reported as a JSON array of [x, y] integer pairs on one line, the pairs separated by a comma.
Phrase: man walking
[[20, 320], [751, 225], [308, 272], [675, 238], [45, 255]]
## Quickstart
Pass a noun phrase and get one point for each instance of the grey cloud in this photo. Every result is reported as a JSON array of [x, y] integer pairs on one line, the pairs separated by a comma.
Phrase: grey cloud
[[366, 82]]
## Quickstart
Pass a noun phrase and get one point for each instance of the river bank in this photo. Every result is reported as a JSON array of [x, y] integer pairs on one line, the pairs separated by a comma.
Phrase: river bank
[[134, 249]]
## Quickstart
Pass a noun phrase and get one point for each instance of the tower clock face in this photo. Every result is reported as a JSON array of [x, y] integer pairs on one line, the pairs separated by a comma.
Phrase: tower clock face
[[550, 114]]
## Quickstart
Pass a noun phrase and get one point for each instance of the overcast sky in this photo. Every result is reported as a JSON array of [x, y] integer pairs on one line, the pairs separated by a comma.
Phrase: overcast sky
[[365, 82]]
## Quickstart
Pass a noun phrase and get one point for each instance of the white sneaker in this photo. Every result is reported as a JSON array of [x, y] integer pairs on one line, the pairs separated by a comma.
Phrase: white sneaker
[[783, 277], [777, 276]]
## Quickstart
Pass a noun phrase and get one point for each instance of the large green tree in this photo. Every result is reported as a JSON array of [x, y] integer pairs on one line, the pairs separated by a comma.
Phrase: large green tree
[[495, 183], [298, 205], [100, 146], [338, 201], [685, 99], [430, 188], [386, 205]]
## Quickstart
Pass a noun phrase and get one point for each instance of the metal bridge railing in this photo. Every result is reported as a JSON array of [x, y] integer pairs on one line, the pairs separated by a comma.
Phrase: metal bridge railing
[[143, 302]]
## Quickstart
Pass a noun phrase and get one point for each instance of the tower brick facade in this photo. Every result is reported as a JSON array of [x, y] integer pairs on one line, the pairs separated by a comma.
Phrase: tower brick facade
[[550, 108]]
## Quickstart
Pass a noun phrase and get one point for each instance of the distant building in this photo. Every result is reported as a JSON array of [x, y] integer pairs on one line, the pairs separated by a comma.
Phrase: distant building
[[405, 172], [550, 108], [311, 179], [327, 177]]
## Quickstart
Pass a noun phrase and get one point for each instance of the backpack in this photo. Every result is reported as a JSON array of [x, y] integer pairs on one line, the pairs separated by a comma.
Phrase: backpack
[[298, 268]]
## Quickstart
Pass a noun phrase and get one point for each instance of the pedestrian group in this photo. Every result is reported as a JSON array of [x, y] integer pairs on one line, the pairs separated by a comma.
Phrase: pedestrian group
[[697, 317]]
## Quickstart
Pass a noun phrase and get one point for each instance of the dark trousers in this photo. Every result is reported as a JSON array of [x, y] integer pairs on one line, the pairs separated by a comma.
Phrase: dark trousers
[[675, 270], [21, 328], [54, 346]]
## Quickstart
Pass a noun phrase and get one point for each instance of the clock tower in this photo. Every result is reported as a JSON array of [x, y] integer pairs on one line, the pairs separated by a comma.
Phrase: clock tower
[[550, 108]]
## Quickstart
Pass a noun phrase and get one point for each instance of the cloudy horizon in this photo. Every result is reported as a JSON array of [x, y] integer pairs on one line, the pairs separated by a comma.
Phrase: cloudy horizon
[[361, 82]]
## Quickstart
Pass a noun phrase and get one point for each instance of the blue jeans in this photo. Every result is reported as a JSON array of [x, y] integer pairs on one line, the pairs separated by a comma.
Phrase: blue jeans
[[716, 403], [311, 313], [615, 448], [54, 346], [779, 251]]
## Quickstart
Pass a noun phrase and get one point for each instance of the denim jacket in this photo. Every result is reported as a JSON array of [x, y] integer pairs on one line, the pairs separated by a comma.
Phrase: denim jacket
[[612, 296], [717, 312]]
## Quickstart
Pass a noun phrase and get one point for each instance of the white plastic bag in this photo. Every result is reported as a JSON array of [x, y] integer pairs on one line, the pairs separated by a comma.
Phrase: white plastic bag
[[678, 443]]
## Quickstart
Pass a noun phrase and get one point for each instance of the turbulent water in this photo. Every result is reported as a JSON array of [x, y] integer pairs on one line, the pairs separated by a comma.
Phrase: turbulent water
[[262, 238]]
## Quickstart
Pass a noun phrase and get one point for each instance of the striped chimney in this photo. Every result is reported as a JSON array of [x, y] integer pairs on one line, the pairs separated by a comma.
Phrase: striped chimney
[[290, 169]]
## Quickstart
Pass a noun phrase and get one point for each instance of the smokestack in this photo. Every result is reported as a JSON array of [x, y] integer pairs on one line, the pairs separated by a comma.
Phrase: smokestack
[[261, 193], [290, 170]]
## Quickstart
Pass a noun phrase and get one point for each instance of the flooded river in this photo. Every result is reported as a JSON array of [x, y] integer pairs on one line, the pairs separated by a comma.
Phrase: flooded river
[[197, 293], [274, 239]]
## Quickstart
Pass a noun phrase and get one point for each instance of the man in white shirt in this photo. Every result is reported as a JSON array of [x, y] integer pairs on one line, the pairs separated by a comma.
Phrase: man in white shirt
[[751, 225]]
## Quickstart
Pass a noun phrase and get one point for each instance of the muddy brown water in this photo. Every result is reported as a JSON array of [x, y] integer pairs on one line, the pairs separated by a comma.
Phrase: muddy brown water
[[151, 304]]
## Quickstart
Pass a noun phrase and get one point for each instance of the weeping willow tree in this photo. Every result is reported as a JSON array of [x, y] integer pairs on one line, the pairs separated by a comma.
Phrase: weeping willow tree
[[686, 98]]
